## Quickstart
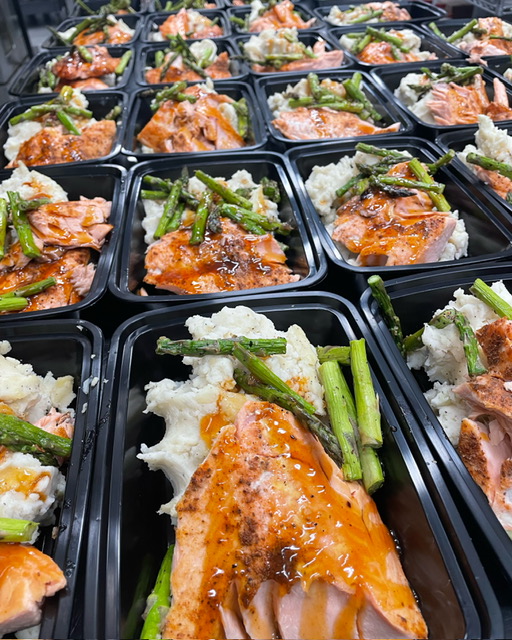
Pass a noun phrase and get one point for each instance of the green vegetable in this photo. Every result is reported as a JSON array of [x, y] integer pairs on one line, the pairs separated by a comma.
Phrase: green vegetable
[[12, 530], [159, 600], [367, 405]]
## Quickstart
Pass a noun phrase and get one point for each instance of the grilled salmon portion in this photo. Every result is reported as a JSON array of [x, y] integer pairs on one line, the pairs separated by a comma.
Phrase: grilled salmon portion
[[113, 34], [383, 53], [484, 45], [308, 124], [90, 84], [73, 67], [500, 184], [72, 224], [178, 71], [27, 576], [52, 146], [487, 395], [391, 11], [264, 551], [390, 231], [323, 60], [280, 16], [190, 25], [183, 126], [495, 339], [227, 261]]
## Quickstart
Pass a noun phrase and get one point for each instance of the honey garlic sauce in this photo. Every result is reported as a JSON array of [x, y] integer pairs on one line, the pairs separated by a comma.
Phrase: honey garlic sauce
[[268, 509]]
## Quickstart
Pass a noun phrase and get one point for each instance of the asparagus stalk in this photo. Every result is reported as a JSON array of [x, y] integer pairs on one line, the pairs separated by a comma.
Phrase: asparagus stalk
[[175, 221], [123, 62], [348, 185], [378, 151], [15, 432], [169, 209], [30, 289], [365, 17], [353, 89], [240, 216], [271, 189], [228, 195], [443, 319], [392, 321], [330, 377], [285, 400], [223, 346], [114, 113], [159, 599], [439, 201], [338, 354], [202, 213], [484, 293], [85, 53], [242, 112], [12, 303], [397, 181], [387, 37], [83, 6], [444, 159], [485, 162], [336, 104], [368, 415], [159, 58], [13, 530], [470, 344], [3, 226], [457, 35], [361, 44], [68, 122], [436, 30], [251, 220], [22, 226], [65, 41]]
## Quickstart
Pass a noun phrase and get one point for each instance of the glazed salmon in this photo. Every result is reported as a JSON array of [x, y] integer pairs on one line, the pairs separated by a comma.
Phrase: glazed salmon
[[280, 16], [485, 46], [383, 230], [27, 577], [178, 71], [308, 124], [183, 126], [500, 184], [495, 339], [60, 424], [229, 261], [323, 60], [72, 224], [114, 35], [272, 542], [382, 53], [391, 11], [52, 146], [90, 84], [73, 67], [190, 25]]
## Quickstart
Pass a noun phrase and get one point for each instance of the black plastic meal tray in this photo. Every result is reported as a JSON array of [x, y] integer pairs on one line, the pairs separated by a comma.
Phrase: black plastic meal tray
[[304, 260], [127, 538], [304, 12], [415, 301], [457, 140], [154, 20], [448, 26], [141, 114], [308, 38], [499, 64], [140, 6], [487, 223], [271, 84], [91, 181], [133, 21], [100, 103], [65, 347], [25, 81], [442, 50], [418, 10], [146, 58], [388, 78]]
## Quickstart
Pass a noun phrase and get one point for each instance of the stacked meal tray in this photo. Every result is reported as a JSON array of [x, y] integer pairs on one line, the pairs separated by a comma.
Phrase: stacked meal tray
[[217, 181]]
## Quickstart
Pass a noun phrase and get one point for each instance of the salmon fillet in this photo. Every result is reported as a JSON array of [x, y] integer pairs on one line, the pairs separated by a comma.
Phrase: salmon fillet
[[263, 551], [390, 231], [308, 124], [323, 60], [483, 45], [229, 261], [90, 84], [52, 146], [72, 224], [73, 67], [182, 126], [27, 576], [392, 12], [60, 424], [181, 24], [280, 16], [495, 339], [116, 35], [217, 70], [382, 53], [487, 395], [496, 181]]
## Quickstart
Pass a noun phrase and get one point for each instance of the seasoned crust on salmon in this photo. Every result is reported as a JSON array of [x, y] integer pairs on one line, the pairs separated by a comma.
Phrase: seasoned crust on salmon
[[228, 261]]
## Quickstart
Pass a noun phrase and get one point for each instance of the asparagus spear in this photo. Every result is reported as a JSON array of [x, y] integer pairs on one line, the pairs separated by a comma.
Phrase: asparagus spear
[[222, 346], [348, 185], [159, 599], [84, 53], [353, 89], [271, 189], [3, 226], [175, 221], [414, 340], [378, 151], [338, 104], [123, 62], [330, 377], [362, 43], [169, 209], [68, 122], [392, 321], [439, 201], [338, 354], [484, 293], [203, 211], [436, 30], [15, 432], [388, 37], [502, 168], [159, 58], [368, 415], [30, 289], [397, 181], [12, 303], [240, 216], [22, 226], [228, 195], [13, 530], [470, 344], [457, 35], [251, 384], [444, 159], [114, 113], [365, 17], [242, 112], [252, 220]]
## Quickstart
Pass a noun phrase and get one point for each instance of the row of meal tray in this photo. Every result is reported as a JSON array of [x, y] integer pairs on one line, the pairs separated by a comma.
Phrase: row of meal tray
[[110, 542]]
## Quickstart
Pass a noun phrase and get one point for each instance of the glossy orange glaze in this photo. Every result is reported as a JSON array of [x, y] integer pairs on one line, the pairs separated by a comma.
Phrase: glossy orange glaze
[[382, 53], [217, 70], [269, 505], [73, 67], [21, 479], [116, 35], [211, 425]]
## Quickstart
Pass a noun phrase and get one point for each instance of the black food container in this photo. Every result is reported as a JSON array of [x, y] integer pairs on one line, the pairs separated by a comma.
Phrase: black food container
[[488, 224], [307, 38], [26, 80], [154, 20], [105, 181], [240, 13], [139, 6], [428, 44], [238, 68], [100, 103], [66, 347], [458, 140], [415, 302], [390, 76], [499, 64], [141, 114], [270, 85], [419, 11], [128, 538], [133, 21], [128, 277], [449, 26]]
